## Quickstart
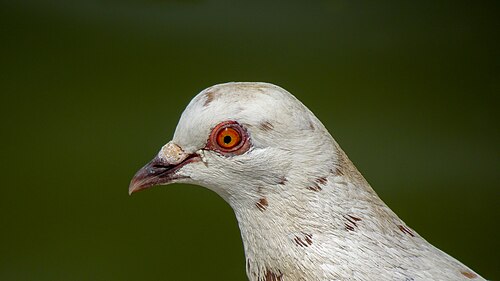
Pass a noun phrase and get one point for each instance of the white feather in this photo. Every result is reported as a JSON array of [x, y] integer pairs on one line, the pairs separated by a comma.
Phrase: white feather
[[297, 153]]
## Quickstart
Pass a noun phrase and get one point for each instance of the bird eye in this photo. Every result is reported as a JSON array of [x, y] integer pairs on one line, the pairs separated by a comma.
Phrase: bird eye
[[229, 138]]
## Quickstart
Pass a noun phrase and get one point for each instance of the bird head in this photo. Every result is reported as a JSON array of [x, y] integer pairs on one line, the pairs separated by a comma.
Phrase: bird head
[[240, 138]]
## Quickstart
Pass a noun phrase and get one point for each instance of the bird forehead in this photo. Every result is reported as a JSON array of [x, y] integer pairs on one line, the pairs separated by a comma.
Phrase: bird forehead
[[240, 95], [258, 105]]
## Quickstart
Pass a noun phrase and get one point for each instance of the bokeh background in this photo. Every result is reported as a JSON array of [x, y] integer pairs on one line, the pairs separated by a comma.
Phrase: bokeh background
[[90, 90]]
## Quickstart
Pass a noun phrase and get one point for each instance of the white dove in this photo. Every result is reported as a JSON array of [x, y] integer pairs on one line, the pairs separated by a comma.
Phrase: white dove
[[305, 212]]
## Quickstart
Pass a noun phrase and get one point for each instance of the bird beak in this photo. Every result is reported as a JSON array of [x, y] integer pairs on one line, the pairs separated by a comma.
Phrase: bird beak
[[162, 170]]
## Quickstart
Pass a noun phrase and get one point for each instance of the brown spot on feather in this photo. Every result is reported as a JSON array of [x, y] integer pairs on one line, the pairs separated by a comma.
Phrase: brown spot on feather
[[351, 224], [406, 230], [311, 126], [354, 218], [271, 276], [338, 171], [308, 238], [210, 97], [266, 126], [314, 187], [262, 204], [322, 180], [299, 241], [303, 242], [283, 180], [468, 274]]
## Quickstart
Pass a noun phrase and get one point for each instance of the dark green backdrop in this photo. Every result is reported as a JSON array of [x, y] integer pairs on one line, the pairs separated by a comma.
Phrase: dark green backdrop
[[90, 90]]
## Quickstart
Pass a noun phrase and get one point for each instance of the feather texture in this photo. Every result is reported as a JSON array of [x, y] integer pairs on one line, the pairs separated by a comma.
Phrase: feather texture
[[304, 210]]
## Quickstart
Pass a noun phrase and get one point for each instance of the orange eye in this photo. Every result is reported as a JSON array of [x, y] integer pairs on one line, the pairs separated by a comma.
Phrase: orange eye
[[228, 138]]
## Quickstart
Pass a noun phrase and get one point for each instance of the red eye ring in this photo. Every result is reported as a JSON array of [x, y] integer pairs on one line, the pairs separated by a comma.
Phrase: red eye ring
[[229, 138]]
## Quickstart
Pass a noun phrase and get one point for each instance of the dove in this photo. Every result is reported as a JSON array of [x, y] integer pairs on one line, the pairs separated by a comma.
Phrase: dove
[[304, 211]]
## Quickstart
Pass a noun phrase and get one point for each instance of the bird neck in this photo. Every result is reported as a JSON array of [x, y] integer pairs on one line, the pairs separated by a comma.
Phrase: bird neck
[[281, 223]]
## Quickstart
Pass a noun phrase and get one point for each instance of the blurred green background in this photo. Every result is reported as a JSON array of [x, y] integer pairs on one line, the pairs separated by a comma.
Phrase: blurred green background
[[90, 90]]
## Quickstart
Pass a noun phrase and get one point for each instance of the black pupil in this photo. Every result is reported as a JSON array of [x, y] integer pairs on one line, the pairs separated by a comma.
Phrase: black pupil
[[227, 139]]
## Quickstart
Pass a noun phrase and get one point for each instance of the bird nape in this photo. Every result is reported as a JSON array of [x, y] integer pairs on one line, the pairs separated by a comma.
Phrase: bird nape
[[304, 210]]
